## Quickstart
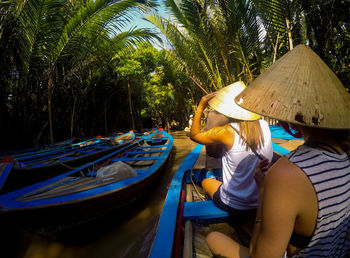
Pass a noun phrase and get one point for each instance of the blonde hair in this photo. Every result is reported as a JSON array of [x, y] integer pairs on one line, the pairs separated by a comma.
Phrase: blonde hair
[[250, 132]]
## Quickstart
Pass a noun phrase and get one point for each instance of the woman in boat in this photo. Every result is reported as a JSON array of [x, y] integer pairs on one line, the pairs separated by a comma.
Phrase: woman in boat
[[245, 137], [304, 201]]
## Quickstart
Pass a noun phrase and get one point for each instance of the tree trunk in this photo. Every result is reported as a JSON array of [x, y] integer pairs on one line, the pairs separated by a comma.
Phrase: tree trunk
[[41, 132], [130, 105], [106, 117], [72, 117], [275, 48], [289, 34], [49, 98], [288, 19]]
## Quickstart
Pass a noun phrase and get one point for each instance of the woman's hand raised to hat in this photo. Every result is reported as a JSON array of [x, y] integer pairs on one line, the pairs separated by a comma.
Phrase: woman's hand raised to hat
[[205, 99]]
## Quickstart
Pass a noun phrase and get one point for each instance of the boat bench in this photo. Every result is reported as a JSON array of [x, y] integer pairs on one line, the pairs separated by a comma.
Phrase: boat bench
[[154, 140], [203, 210], [138, 158], [144, 152], [102, 147], [150, 147]]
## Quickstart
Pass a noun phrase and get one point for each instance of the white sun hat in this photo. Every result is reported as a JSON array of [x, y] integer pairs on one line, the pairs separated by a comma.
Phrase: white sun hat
[[224, 103]]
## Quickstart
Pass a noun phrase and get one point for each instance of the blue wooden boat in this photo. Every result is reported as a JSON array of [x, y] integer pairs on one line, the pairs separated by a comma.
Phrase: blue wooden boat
[[187, 213], [31, 169], [157, 140], [51, 148], [37, 148], [74, 152], [85, 193]]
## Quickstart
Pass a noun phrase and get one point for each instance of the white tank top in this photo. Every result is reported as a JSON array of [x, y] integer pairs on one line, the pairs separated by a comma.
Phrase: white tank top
[[239, 189]]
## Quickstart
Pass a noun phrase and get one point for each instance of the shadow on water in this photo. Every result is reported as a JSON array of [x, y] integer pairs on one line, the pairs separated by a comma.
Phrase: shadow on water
[[124, 233]]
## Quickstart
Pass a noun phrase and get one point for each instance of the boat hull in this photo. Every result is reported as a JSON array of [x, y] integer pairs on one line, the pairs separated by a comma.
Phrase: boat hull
[[24, 176], [55, 205]]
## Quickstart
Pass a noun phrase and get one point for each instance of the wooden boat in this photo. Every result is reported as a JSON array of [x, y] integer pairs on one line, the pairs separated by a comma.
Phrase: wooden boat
[[31, 169], [188, 216], [51, 148], [36, 149], [74, 152], [83, 194], [156, 140]]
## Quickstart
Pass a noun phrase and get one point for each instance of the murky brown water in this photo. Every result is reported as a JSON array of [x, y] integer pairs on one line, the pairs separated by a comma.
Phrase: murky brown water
[[127, 233]]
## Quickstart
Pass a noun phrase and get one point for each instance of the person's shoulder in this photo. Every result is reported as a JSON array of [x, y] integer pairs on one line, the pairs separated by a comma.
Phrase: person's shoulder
[[283, 165], [285, 173], [223, 129]]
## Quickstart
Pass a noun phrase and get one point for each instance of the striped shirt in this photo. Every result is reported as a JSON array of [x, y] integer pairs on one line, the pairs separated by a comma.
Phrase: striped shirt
[[330, 175]]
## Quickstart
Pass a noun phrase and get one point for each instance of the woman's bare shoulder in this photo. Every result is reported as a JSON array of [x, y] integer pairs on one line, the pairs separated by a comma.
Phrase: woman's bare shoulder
[[221, 130], [285, 174], [284, 164]]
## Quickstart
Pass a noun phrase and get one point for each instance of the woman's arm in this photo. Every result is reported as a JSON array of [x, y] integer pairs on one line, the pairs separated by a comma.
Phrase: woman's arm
[[259, 176], [280, 205], [196, 125], [219, 134]]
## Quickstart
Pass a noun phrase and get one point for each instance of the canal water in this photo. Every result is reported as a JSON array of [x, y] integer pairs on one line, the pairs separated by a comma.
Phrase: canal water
[[123, 234]]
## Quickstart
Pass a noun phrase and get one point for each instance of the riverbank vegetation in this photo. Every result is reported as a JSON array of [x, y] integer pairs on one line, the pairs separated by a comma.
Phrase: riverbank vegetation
[[69, 68]]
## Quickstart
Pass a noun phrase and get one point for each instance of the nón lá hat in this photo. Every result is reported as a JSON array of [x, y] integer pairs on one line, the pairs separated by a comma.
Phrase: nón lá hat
[[224, 103], [301, 89]]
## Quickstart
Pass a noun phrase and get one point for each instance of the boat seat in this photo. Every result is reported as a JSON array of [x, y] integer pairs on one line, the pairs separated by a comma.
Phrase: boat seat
[[151, 147], [203, 210], [102, 147], [138, 158], [86, 151], [145, 152]]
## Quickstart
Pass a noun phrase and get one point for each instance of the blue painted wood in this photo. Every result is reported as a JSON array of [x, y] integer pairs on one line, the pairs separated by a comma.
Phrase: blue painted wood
[[95, 143], [138, 158], [203, 210], [162, 245], [279, 149], [278, 132], [155, 140], [49, 158], [52, 149], [151, 146], [9, 200], [60, 144], [144, 152], [4, 174]]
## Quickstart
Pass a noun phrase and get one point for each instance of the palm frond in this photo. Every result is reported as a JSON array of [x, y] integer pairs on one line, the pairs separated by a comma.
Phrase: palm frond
[[90, 19], [126, 41]]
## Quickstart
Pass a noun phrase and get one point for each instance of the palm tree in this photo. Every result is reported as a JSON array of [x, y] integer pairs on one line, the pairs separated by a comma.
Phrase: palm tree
[[324, 25], [216, 42], [54, 35]]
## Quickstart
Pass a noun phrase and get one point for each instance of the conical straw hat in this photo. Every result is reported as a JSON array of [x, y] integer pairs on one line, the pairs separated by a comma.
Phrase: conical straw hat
[[301, 89], [224, 103]]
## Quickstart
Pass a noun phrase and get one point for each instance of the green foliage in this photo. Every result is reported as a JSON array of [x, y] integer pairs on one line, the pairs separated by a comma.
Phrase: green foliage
[[215, 42], [66, 65], [323, 25], [158, 91], [48, 48]]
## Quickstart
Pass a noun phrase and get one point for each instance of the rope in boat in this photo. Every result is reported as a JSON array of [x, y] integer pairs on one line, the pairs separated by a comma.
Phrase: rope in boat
[[72, 168], [118, 155], [101, 165], [65, 165], [201, 196]]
